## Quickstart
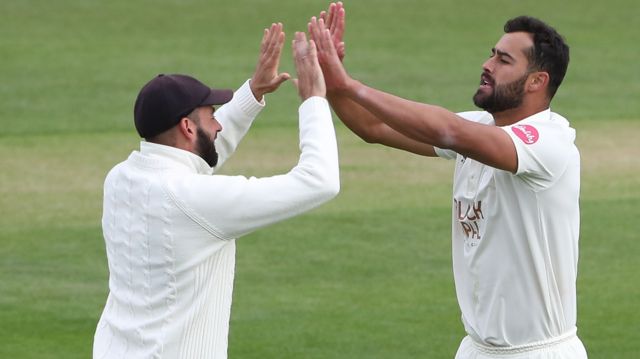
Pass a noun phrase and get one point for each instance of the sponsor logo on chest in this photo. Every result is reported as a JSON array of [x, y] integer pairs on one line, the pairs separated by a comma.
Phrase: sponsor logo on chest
[[470, 217]]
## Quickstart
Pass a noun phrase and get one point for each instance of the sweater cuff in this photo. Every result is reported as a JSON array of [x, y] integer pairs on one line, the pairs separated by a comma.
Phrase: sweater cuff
[[247, 102], [314, 104]]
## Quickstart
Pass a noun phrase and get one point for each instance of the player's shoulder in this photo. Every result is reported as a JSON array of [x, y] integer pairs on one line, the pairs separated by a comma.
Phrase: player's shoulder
[[546, 126], [548, 121], [547, 118], [117, 169]]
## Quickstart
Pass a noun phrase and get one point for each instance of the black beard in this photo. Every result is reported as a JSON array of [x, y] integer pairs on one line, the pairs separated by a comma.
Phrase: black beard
[[205, 148], [504, 97]]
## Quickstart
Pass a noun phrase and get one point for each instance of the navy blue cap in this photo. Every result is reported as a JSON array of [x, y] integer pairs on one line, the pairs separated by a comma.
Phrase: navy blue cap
[[166, 99]]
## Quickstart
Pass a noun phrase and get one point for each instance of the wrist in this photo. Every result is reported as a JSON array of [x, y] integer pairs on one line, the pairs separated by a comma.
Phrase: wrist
[[258, 93], [348, 87]]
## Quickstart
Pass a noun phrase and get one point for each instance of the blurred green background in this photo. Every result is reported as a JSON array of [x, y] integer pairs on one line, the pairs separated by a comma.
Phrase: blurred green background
[[367, 275]]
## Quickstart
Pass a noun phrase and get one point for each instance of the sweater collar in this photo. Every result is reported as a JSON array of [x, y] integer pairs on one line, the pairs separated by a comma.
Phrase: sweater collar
[[162, 153]]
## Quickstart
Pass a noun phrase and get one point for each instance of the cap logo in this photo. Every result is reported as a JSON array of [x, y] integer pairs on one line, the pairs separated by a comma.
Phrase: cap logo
[[527, 133]]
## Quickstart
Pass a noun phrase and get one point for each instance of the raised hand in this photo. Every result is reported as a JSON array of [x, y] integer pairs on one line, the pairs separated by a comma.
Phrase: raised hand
[[310, 81], [335, 76], [334, 19], [266, 78]]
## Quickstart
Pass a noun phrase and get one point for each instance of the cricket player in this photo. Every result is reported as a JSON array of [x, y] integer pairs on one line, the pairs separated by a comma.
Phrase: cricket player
[[170, 223], [515, 214]]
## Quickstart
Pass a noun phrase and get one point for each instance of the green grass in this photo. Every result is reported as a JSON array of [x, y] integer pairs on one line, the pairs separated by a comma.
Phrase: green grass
[[367, 275]]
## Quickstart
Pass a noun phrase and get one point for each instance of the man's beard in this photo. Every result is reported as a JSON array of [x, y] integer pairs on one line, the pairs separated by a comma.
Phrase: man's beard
[[503, 97], [205, 148]]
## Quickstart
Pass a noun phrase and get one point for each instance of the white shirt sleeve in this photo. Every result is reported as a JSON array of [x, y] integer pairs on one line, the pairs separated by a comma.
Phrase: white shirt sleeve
[[236, 117], [543, 148], [444, 153], [232, 206]]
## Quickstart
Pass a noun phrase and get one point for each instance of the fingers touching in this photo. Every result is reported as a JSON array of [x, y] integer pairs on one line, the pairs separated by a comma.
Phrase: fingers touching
[[310, 80], [322, 36], [334, 20], [326, 46], [336, 78]]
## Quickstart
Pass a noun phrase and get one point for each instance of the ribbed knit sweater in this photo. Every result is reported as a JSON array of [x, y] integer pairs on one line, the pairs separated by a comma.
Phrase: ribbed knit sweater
[[170, 226]]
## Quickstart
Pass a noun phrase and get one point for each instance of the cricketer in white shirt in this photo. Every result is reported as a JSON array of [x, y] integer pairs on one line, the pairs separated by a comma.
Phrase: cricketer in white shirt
[[515, 236], [170, 227]]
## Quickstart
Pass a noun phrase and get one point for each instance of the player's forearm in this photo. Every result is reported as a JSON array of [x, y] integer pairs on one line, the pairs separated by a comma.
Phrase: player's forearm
[[318, 162], [362, 122], [421, 122], [372, 129], [236, 117]]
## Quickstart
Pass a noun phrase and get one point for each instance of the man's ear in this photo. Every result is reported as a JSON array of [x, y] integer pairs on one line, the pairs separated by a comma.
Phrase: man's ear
[[538, 81], [187, 128]]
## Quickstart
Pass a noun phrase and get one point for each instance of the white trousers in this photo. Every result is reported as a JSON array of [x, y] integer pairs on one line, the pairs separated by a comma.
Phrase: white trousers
[[565, 347]]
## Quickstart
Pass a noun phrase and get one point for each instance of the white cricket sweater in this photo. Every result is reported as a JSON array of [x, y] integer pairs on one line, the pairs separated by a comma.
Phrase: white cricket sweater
[[170, 227]]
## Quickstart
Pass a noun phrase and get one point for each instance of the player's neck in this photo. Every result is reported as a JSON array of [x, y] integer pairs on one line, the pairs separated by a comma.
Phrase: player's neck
[[511, 116]]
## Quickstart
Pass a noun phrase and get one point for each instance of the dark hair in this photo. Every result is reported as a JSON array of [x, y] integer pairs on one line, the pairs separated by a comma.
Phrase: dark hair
[[549, 52]]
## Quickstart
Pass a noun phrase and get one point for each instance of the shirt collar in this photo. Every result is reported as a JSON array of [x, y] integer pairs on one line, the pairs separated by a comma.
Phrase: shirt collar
[[175, 155], [544, 114]]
